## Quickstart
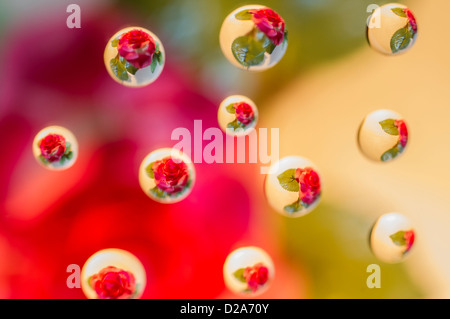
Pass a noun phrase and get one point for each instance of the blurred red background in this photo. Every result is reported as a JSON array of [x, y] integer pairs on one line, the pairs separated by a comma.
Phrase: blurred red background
[[52, 219]]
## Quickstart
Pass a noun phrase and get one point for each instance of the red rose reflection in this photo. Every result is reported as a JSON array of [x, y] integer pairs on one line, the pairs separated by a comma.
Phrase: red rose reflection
[[409, 238], [170, 176], [309, 183], [402, 132], [52, 147], [256, 275], [244, 113], [113, 283], [270, 23], [411, 19], [137, 47]]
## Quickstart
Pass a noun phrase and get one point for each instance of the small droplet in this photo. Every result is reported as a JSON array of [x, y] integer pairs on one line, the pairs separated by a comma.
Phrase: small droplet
[[55, 148], [253, 37], [293, 186], [237, 115], [392, 237], [248, 270], [392, 29], [167, 175], [383, 135], [113, 274], [134, 57]]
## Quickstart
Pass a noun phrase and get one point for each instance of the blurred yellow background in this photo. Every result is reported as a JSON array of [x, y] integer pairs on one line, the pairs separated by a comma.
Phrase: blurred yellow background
[[318, 94], [319, 114]]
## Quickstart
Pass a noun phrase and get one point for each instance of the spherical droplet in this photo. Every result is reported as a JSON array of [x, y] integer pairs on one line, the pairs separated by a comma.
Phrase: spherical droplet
[[237, 115], [167, 175], [253, 37], [113, 274], [248, 270], [55, 148], [383, 135], [392, 29], [293, 186], [392, 237], [134, 57]]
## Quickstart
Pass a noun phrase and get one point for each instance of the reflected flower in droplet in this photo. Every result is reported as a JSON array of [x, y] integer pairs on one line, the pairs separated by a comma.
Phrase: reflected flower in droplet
[[253, 37], [248, 270], [167, 175], [293, 186], [237, 115], [383, 135], [55, 148], [392, 237], [392, 29], [113, 274], [134, 57]]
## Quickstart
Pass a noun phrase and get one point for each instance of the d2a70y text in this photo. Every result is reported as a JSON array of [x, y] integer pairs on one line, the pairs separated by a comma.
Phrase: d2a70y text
[[246, 308]]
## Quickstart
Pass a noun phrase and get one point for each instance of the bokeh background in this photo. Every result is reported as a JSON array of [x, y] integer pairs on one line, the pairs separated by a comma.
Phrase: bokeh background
[[317, 96]]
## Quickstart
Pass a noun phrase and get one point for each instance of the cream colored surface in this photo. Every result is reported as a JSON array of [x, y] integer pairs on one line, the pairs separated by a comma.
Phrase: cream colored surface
[[382, 26], [382, 245], [148, 183], [118, 258], [143, 76], [242, 258], [68, 135], [233, 28], [224, 117], [319, 114], [372, 139], [276, 195]]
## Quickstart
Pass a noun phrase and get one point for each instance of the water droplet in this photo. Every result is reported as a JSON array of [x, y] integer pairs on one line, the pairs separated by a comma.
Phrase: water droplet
[[392, 29], [55, 148], [167, 175], [113, 274], [134, 57], [383, 135], [293, 186], [248, 270], [392, 237], [251, 40], [237, 115]]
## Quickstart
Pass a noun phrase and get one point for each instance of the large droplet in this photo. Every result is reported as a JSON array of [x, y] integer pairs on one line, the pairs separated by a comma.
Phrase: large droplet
[[293, 186], [134, 57], [253, 37], [392, 29], [113, 274]]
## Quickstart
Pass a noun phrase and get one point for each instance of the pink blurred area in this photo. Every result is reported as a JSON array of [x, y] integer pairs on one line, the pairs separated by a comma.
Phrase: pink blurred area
[[49, 220]]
